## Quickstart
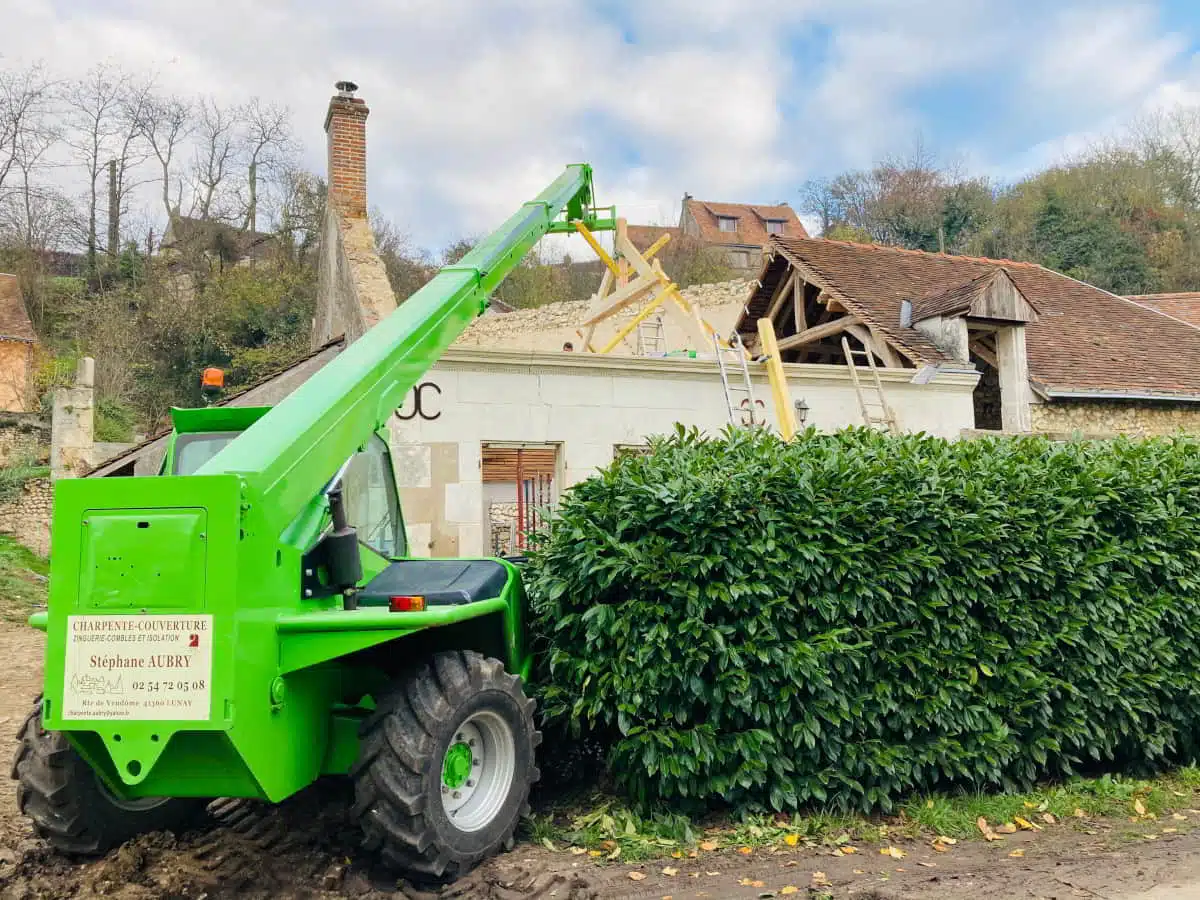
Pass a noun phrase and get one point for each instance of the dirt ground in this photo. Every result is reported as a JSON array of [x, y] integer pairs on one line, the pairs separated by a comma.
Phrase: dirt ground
[[306, 848]]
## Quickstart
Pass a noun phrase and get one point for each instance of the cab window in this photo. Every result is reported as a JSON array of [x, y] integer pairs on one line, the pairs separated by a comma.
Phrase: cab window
[[369, 492]]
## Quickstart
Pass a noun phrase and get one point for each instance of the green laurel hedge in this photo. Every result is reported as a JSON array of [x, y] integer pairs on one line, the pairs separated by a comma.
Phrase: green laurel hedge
[[852, 617]]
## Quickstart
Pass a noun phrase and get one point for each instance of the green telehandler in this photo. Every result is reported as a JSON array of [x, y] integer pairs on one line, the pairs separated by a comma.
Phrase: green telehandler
[[250, 620]]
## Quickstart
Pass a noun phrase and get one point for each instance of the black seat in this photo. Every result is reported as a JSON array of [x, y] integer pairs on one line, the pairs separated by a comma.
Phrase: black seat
[[442, 582]]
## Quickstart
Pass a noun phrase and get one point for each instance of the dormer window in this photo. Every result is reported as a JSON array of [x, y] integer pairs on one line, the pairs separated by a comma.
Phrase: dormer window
[[727, 223], [775, 226]]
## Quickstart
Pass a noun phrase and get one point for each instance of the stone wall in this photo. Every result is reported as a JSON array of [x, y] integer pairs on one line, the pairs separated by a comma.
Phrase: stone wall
[[27, 517], [548, 327], [1105, 417], [23, 437]]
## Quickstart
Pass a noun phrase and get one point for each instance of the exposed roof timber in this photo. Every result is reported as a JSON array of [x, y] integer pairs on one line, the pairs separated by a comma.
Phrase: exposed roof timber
[[817, 332]]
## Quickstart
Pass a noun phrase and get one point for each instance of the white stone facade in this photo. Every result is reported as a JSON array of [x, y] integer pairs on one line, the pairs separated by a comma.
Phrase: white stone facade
[[588, 406]]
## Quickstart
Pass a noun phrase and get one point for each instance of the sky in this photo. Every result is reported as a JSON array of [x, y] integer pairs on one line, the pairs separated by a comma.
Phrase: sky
[[477, 104]]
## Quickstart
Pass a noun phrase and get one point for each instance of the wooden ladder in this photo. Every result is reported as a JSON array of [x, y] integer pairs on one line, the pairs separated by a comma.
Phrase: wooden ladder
[[875, 412]]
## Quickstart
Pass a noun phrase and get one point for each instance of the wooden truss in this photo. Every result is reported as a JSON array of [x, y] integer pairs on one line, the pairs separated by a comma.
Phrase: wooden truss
[[810, 324], [634, 278]]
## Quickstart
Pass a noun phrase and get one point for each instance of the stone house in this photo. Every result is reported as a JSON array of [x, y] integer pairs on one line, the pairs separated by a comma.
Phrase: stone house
[[1053, 354], [739, 231], [17, 344], [220, 243]]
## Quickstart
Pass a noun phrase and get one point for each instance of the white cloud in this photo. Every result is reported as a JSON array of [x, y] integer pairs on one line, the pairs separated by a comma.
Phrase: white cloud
[[476, 105]]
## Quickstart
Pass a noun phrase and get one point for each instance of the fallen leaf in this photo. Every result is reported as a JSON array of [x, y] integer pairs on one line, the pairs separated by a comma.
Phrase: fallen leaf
[[837, 853], [1178, 818], [549, 845], [615, 854], [1169, 830], [939, 848], [982, 824], [1179, 793], [712, 873], [789, 889], [893, 852], [692, 854], [1150, 837], [927, 865], [1017, 854], [1049, 819], [670, 871], [792, 840], [608, 845], [789, 864], [595, 853], [1139, 807], [820, 880], [637, 876], [745, 851], [859, 872], [1026, 825], [1079, 813], [901, 870], [748, 883], [708, 845], [1006, 828], [849, 849], [1029, 805], [677, 855], [578, 851]]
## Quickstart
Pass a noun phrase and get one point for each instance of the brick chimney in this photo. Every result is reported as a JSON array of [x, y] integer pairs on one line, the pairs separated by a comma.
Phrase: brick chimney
[[346, 128]]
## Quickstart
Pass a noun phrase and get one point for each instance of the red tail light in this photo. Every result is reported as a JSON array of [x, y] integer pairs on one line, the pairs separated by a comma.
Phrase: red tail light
[[406, 604]]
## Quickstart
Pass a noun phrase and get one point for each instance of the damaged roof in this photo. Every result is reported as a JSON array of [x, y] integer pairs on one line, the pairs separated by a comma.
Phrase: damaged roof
[[751, 221], [1084, 339]]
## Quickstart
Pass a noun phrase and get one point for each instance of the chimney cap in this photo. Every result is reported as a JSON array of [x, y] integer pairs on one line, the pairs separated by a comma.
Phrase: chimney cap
[[346, 88]]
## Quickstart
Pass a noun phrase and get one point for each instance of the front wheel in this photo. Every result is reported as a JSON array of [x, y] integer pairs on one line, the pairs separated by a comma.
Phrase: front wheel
[[70, 806], [445, 765]]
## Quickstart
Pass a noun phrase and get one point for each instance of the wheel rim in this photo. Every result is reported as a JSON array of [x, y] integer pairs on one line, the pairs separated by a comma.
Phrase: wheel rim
[[478, 770]]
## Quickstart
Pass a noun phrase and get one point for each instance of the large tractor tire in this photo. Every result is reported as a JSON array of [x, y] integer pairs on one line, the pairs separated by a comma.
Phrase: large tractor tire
[[70, 806], [445, 765]]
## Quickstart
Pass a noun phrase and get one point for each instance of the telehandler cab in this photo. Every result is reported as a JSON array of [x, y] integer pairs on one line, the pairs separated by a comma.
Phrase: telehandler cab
[[250, 620]]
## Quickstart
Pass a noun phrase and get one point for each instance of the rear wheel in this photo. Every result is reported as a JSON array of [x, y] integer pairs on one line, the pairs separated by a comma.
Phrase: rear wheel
[[445, 765], [70, 806]]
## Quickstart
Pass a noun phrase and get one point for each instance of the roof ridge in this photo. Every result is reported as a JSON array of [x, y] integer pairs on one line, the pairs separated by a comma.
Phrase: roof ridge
[[886, 247]]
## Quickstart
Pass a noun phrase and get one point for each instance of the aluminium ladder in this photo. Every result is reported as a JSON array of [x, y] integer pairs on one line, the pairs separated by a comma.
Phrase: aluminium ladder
[[745, 390], [875, 412], [651, 339]]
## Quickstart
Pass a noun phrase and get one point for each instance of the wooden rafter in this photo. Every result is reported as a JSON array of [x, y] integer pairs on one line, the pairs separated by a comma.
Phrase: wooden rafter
[[817, 332]]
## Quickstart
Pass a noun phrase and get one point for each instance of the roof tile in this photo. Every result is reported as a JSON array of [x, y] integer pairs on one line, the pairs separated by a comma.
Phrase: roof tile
[[1085, 339], [752, 222]]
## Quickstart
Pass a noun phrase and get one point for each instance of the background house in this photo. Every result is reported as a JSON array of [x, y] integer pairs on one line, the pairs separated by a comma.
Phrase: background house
[[738, 231], [17, 342]]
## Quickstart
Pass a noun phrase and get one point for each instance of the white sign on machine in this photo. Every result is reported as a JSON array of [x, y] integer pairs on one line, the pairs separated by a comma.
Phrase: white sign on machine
[[138, 667]]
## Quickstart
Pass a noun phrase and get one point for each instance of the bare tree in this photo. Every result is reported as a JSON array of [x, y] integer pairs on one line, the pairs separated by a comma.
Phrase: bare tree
[[24, 99], [102, 112], [269, 144], [166, 123], [216, 154]]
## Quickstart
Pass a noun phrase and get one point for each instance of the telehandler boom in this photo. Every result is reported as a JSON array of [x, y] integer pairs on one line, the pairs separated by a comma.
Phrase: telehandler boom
[[250, 620]]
